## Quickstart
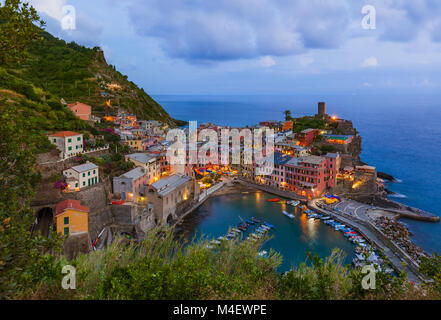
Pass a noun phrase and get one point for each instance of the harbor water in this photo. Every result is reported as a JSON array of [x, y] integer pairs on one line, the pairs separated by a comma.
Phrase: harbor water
[[292, 238]]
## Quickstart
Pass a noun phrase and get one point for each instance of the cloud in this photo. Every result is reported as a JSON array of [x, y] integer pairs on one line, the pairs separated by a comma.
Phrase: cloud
[[369, 62], [306, 61], [87, 32], [267, 62], [51, 8], [222, 30]]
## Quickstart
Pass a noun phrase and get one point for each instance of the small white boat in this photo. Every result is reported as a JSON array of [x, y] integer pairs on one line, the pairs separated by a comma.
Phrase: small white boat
[[289, 215], [215, 242], [293, 203]]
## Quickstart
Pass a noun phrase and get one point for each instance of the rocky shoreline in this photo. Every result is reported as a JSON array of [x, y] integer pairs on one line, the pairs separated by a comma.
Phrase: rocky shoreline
[[400, 235]]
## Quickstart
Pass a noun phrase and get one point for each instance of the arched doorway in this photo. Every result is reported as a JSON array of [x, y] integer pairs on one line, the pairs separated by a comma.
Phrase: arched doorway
[[45, 221], [169, 219]]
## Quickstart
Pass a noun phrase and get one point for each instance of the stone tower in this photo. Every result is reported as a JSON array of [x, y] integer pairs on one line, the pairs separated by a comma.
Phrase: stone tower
[[321, 110]]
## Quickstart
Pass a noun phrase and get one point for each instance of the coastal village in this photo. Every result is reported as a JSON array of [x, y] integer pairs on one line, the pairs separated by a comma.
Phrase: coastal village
[[95, 192]]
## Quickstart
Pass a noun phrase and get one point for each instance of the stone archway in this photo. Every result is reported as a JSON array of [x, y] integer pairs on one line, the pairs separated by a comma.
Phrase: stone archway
[[45, 220], [170, 219]]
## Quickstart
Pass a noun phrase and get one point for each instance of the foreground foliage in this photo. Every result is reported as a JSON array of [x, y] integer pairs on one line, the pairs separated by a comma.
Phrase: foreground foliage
[[161, 267]]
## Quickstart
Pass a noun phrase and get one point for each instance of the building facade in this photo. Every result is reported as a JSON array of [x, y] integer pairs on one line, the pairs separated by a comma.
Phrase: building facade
[[130, 185], [307, 136], [69, 143], [81, 110], [81, 176], [149, 162], [311, 176], [165, 195], [71, 217]]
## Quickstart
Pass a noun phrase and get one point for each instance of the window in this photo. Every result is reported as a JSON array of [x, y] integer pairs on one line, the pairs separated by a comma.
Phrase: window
[[88, 173], [79, 139], [76, 185], [84, 183], [93, 171], [55, 140], [66, 231], [69, 140], [69, 148], [66, 220], [84, 175]]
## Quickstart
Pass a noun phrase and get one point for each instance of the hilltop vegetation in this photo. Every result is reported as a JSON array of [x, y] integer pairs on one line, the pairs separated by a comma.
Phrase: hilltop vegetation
[[76, 73]]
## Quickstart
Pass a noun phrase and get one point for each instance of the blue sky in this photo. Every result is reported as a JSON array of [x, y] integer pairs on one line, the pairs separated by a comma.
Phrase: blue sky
[[261, 46]]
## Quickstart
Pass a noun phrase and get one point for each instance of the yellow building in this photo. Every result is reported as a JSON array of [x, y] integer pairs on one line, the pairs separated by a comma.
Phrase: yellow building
[[135, 144], [71, 217]]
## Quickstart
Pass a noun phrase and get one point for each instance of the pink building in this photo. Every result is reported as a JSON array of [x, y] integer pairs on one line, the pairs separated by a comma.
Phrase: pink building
[[306, 137], [130, 184], [81, 110], [310, 176]]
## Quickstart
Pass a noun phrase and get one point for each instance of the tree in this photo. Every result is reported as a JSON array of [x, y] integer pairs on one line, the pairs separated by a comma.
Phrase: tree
[[19, 250], [19, 28], [287, 114]]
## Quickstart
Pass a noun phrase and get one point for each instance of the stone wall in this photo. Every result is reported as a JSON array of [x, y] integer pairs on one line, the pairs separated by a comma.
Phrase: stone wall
[[132, 219]]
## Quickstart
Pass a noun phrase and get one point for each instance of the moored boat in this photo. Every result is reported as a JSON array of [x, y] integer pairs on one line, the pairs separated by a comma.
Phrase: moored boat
[[289, 215]]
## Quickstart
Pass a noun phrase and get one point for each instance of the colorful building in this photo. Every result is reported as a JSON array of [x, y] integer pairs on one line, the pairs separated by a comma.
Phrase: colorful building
[[310, 176], [338, 139], [149, 162], [135, 143], [81, 110], [81, 176], [71, 217], [69, 143], [268, 123], [307, 136], [130, 185], [287, 125]]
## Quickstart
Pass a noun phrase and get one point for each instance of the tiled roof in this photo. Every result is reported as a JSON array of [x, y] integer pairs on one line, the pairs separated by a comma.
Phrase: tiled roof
[[69, 204], [64, 134]]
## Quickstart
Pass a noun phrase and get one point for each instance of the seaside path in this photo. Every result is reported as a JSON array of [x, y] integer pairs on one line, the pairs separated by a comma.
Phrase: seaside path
[[366, 231]]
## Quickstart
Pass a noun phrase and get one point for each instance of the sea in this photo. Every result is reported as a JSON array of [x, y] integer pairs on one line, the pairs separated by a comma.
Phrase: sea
[[401, 135]]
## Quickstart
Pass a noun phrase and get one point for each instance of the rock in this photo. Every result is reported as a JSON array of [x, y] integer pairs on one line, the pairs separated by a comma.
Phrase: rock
[[77, 243], [385, 176]]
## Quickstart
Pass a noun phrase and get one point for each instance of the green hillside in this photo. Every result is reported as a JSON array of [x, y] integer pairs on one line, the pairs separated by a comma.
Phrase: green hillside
[[76, 73]]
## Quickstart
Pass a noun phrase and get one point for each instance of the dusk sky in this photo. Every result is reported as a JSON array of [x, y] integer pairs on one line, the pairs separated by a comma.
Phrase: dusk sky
[[261, 46]]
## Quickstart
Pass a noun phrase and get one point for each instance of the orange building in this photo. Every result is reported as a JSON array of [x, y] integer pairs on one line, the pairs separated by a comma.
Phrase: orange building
[[287, 125], [81, 110], [71, 217]]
